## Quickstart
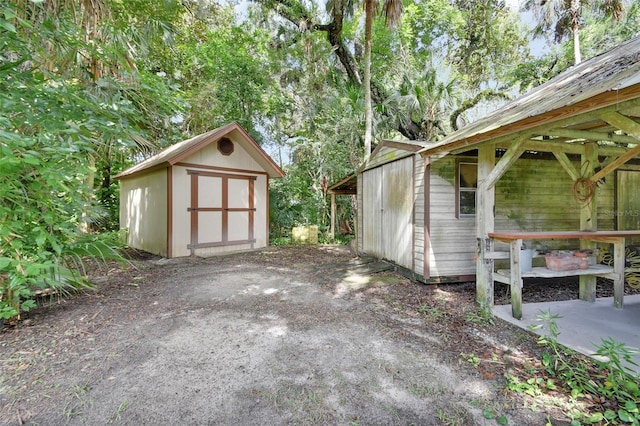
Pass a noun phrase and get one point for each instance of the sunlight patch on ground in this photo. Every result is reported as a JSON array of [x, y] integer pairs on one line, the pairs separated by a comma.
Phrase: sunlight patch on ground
[[444, 295], [278, 331], [351, 283]]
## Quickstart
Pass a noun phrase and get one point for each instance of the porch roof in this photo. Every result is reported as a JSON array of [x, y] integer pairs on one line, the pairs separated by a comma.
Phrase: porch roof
[[596, 100], [348, 186]]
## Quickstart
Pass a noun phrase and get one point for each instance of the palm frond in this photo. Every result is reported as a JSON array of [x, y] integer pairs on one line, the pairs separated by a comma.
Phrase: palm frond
[[392, 12]]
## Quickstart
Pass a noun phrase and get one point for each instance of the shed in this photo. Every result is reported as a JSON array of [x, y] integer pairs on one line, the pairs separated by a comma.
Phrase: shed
[[514, 170], [391, 206], [205, 195], [586, 118]]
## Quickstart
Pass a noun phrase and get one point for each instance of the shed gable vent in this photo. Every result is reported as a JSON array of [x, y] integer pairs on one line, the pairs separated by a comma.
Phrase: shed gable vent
[[225, 146]]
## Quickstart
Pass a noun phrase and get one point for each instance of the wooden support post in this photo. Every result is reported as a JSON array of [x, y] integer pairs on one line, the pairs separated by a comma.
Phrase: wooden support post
[[589, 219], [618, 269], [332, 233], [485, 200], [516, 279]]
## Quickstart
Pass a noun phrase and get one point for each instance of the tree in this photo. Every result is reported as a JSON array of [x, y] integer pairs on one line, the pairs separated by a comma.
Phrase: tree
[[564, 17], [74, 103], [392, 10]]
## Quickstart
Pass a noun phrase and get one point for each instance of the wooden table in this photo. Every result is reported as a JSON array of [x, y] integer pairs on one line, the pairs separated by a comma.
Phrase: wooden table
[[514, 276]]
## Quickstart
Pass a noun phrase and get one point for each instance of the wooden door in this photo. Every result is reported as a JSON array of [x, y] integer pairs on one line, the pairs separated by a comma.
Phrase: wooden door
[[398, 212], [222, 209], [372, 237], [627, 211], [388, 212]]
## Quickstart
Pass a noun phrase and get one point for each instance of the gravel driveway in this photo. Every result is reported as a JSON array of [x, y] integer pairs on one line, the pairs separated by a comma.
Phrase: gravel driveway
[[246, 339]]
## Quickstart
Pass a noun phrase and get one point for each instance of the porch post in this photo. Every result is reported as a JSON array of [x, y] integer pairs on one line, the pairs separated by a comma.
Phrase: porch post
[[588, 219], [332, 233], [485, 200]]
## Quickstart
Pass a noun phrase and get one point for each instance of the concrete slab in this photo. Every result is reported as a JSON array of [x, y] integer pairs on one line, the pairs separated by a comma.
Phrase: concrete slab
[[582, 324]]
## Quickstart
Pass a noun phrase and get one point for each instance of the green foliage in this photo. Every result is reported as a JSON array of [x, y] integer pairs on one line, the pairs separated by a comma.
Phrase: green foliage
[[52, 128], [610, 380], [492, 414]]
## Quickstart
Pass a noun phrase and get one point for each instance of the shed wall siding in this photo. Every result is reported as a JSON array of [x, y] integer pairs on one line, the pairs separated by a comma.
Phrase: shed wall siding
[[143, 211], [372, 238], [452, 239], [536, 195], [361, 213], [239, 159], [388, 215], [419, 215], [533, 195]]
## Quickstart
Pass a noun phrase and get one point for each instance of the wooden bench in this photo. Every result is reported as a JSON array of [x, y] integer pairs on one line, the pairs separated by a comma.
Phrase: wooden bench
[[513, 276]]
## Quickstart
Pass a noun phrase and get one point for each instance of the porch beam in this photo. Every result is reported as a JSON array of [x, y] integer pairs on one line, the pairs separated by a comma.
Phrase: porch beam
[[589, 135], [545, 146], [536, 125], [563, 146], [622, 122], [513, 153], [565, 122], [566, 165], [616, 163], [559, 144]]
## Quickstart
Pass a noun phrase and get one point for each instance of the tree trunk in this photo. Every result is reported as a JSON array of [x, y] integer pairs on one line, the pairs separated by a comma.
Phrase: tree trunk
[[575, 25], [368, 111]]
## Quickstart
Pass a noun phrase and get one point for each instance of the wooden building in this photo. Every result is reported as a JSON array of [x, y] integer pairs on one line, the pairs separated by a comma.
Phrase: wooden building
[[531, 166], [391, 200], [208, 194]]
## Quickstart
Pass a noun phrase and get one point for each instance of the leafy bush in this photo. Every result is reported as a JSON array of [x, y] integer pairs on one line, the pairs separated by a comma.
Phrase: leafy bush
[[48, 135], [607, 390]]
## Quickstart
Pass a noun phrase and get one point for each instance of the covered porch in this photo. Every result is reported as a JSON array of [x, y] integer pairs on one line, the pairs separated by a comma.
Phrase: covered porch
[[588, 119]]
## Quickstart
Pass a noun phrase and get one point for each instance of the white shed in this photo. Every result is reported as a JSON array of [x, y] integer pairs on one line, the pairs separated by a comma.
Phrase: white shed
[[391, 205], [561, 158], [206, 195]]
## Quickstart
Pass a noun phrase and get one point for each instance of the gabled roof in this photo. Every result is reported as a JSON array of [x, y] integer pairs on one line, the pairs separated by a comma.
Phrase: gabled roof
[[606, 80], [409, 148], [178, 152]]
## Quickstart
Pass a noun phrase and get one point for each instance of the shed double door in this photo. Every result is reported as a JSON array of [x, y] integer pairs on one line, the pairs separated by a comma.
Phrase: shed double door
[[388, 212], [222, 209]]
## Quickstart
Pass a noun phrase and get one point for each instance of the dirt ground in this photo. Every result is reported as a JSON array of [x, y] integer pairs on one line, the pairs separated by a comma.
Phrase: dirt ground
[[284, 335]]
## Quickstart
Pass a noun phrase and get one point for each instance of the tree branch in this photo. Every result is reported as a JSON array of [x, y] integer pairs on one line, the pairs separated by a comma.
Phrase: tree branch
[[470, 103]]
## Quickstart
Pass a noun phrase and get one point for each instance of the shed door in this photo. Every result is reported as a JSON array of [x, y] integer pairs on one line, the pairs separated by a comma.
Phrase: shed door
[[222, 209], [628, 200], [388, 212]]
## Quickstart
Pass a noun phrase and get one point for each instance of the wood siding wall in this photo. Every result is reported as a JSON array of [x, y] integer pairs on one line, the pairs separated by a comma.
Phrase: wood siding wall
[[387, 212], [143, 211], [536, 195], [361, 214], [387, 155], [533, 195], [452, 240], [419, 216]]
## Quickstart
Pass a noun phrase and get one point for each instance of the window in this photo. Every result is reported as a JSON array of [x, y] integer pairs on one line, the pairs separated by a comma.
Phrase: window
[[225, 146], [467, 180]]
